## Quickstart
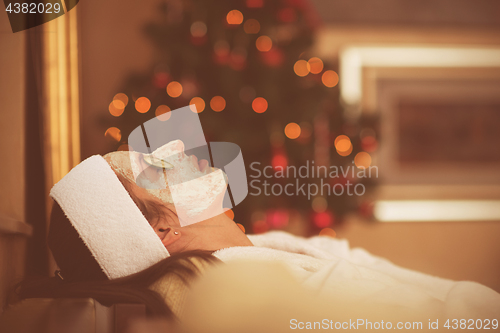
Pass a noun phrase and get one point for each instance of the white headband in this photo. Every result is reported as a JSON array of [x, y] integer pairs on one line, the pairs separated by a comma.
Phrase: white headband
[[110, 224]]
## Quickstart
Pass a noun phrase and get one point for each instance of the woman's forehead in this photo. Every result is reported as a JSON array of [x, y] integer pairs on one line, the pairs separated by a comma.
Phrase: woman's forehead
[[124, 163]]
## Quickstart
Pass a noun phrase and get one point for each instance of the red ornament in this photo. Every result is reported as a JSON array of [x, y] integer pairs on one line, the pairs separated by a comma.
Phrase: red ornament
[[273, 58], [323, 219]]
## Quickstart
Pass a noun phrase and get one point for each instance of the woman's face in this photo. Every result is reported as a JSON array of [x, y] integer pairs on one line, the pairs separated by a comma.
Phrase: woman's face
[[194, 188]]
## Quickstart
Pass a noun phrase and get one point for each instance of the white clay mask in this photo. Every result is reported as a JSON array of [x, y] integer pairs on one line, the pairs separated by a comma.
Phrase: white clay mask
[[195, 189]]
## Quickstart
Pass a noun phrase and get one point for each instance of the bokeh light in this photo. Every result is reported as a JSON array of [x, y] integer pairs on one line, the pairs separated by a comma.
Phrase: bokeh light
[[319, 204], [260, 226], [259, 105], [162, 113], [323, 219], [329, 232], [301, 68], [174, 89], [251, 26], [121, 97], [343, 145], [197, 104], [114, 110], [241, 227], [264, 43], [234, 17], [292, 130], [362, 160], [218, 103], [330, 79], [142, 104], [198, 29], [113, 133], [230, 214], [316, 65]]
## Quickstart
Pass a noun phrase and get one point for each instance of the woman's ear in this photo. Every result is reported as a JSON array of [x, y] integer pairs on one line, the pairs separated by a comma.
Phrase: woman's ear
[[167, 234]]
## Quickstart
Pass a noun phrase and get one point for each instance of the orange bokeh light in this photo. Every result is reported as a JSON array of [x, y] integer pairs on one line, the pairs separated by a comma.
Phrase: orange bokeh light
[[113, 133], [197, 104], [162, 113], [174, 89], [301, 68], [121, 97], [114, 110], [316, 65], [218, 103], [330, 79], [230, 214], [251, 26], [329, 232], [292, 130], [124, 147], [264, 43], [362, 160], [259, 105], [142, 104], [234, 17]]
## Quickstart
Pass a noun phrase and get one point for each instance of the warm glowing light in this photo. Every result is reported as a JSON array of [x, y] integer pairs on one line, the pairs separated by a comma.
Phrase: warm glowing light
[[329, 232], [316, 65], [218, 103], [121, 97], [174, 89], [259, 105], [279, 161], [142, 104], [343, 143], [198, 29], [345, 153], [330, 79], [230, 214], [301, 68], [241, 227], [197, 104], [114, 110], [234, 17], [113, 133], [319, 204], [162, 113], [251, 26], [292, 130], [362, 160], [323, 220], [264, 43], [260, 226], [118, 104]]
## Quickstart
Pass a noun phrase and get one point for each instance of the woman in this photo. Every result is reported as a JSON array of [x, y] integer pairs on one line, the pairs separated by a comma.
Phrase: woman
[[129, 241]]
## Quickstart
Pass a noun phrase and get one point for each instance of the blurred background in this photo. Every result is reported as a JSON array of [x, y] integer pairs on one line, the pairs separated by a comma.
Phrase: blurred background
[[408, 90]]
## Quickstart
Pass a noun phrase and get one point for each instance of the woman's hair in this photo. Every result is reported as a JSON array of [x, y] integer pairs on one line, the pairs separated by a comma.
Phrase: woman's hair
[[81, 276]]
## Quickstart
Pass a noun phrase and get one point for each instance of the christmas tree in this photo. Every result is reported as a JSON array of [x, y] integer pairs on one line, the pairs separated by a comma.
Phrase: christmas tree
[[247, 67]]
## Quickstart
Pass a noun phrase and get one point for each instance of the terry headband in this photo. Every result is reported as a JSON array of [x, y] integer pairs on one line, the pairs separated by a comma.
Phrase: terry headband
[[110, 224]]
